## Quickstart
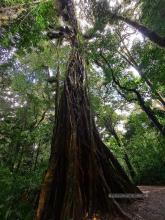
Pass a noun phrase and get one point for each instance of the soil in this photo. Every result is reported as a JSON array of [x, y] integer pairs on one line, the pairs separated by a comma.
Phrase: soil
[[151, 207]]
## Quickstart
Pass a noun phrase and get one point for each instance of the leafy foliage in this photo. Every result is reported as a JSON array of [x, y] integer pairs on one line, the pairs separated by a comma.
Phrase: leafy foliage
[[118, 62]]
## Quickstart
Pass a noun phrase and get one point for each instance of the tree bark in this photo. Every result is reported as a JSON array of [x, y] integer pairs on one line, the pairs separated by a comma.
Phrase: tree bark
[[153, 36], [36, 157], [19, 160], [149, 113], [82, 171], [140, 100], [57, 94], [130, 60], [112, 131]]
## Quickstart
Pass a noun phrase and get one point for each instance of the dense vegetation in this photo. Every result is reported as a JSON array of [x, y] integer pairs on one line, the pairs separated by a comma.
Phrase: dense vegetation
[[124, 59]]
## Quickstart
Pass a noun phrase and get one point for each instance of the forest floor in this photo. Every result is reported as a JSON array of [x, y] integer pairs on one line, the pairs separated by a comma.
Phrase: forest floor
[[151, 207]]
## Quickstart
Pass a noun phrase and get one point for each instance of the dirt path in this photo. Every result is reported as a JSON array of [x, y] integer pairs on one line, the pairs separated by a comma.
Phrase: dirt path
[[152, 207]]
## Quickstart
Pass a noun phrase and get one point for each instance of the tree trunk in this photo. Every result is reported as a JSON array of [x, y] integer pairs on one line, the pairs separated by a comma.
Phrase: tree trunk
[[130, 60], [36, 158], [153, 36], [150, 114], [112, 131], [157, 94], [130, 167], [13, 157], [57, 94], [139, 98], [82, 171], [19, 160]]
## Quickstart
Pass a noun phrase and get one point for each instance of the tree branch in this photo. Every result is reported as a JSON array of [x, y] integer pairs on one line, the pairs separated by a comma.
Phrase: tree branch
[[153, 36]]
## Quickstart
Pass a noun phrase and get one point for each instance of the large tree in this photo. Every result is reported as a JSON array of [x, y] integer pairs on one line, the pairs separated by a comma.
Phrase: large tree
[[82, 172]]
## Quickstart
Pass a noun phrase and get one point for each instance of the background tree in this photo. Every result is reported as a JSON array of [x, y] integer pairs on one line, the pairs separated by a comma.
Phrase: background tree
[[33, 67]]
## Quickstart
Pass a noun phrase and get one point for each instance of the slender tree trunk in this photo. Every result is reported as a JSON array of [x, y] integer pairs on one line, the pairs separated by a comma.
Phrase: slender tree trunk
[[19, 160], [150, 85], [149, 113], [140, 99], [36, 157], [153, 36], [57, 95], [130, 167], [111, 129], [12, 160], [130, 60], [157, 94]]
